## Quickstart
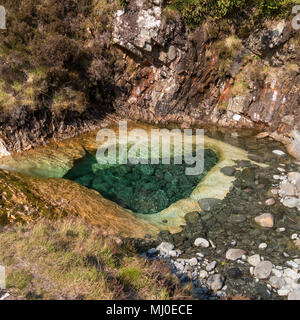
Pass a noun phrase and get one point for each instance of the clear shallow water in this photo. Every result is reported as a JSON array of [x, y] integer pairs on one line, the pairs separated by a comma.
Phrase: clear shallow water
[[142, 188]]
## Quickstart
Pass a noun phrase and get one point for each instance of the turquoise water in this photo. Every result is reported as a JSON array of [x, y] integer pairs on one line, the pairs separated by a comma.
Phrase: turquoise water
[[142, 188]]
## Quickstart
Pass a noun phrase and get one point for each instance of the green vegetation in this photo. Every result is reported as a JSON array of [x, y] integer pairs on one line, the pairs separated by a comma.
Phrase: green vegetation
[[195, 12], [68, 259], [7, 101], [130, 275], [226, 50], [223, 105], [57, 50], [57, 55], [19, 202], [68, 98], [19, 279], [239, 88], [124, 3]]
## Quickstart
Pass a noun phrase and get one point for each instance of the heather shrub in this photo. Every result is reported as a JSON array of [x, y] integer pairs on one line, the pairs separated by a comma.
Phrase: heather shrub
[[49, 44]]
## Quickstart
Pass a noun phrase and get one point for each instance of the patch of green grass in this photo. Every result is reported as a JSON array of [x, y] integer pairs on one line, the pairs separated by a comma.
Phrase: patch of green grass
[[17, 86], [38, 74], [239, 88], [223, 105], [130, 275], [67, 266], [29, 94], [18, 279], [7, 101], [226, 50], [69, 98], [123, 3]]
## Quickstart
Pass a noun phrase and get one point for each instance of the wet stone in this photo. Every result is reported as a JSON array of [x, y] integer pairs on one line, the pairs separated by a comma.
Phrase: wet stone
[[211, 266], [234, 254], [262, 246], [235, 273], [278, 152], [270, 202], [263, 291], [266, 220], [209, 204], [287, 189], [236, 218], [228, 171], [201, 242], [297, 243], [291, 202], [193, 262], [244, 163], [203, 274], [192, 217]]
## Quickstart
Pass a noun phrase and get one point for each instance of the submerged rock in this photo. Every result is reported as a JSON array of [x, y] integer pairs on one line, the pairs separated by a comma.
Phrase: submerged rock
[[291, 202], [235, 273], [209, 204], [228, 171], [234, 254], [270, 202], [265, 220], [236, 218], [200, 242], [192, 217], [254, 260]]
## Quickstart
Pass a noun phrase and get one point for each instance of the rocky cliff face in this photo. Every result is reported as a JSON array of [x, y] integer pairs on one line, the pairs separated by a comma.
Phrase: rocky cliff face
[[208, 76], [162, 72]]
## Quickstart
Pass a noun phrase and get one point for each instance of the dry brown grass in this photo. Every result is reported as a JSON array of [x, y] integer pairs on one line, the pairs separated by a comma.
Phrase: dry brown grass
[[68, 259]]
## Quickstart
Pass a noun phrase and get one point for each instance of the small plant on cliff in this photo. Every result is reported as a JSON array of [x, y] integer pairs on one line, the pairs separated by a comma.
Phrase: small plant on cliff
[[226, 50], [240, 87], [68, 98], [7, 101], [223, 105], [124, 3]]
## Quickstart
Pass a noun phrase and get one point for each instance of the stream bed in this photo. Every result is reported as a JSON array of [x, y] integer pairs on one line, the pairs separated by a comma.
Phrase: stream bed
[[219, 246]]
